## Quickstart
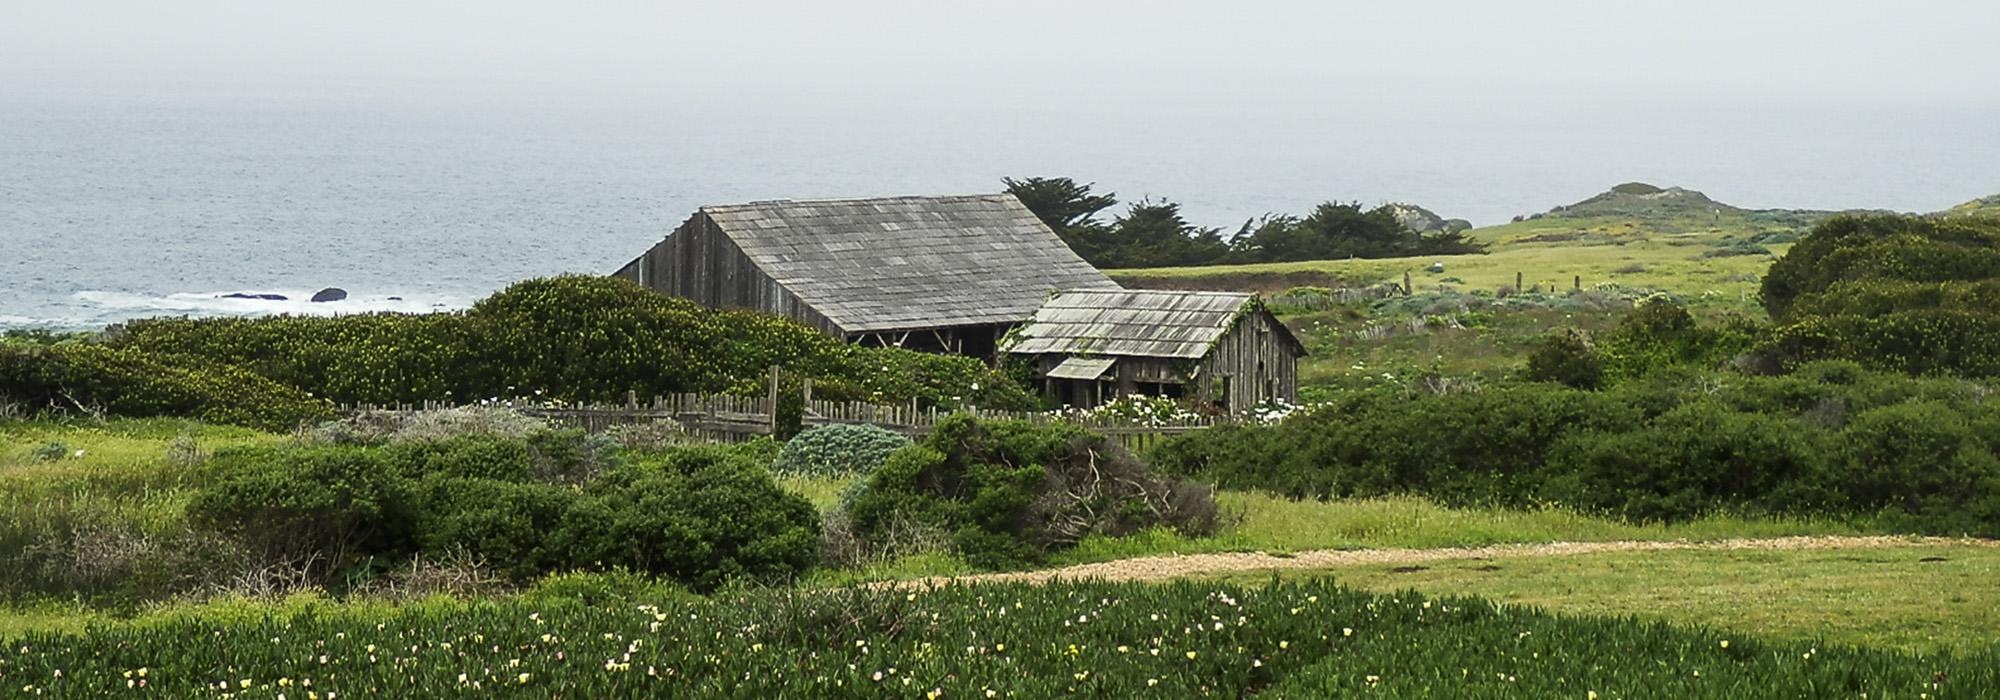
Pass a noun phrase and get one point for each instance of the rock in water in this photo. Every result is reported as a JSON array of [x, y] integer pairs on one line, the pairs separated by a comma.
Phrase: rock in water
[[330, 294], [258, 297]]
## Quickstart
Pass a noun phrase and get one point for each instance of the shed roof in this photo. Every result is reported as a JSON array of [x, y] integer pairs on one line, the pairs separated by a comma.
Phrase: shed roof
[[1086, 368], [1137, 323], [904, 263]]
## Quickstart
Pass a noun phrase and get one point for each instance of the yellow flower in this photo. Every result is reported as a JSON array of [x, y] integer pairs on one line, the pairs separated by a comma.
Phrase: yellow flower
[[523, 678], [1190, 656]]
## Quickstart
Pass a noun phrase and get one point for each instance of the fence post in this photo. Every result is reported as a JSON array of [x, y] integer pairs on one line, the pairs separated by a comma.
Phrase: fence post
[[773, 407], [1407, 289], [1518, 289], [1579, 282]]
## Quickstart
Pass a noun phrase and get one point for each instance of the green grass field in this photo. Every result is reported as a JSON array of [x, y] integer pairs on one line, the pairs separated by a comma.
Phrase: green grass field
[[1651, 264], [1256, 522], [1920, 599]]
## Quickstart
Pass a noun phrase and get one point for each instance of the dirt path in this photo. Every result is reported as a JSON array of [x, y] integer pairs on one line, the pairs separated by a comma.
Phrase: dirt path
[[1163, 567]]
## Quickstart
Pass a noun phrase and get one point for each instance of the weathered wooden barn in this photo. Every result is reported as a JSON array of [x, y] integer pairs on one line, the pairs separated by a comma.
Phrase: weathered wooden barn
[[950, 274], [1091, 346]]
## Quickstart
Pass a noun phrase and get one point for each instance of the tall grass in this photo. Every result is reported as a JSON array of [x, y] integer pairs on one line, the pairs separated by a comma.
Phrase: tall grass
[[1259, 522], [108, 524]]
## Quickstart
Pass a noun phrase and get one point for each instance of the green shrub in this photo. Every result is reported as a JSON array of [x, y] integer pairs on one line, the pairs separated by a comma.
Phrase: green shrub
[[837, 450], [1885, 247], [1832, 440], [466, 457], [1925, 460], [324, 509], [1919, 341], [1738, 249], [1694, 461], [1904, 294], [1010, 492], [700, 516], [51, 452], [1486, 447], [1656, 335], [1567, 359], [133, 383], [503, 524], [350, 359], [572, 338]]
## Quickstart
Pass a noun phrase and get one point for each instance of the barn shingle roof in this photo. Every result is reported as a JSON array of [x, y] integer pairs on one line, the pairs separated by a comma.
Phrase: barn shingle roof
[[904, 263], [1137, 323]]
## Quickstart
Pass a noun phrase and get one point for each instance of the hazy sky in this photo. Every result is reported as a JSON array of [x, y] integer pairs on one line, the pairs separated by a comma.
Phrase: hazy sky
[[1941, 50]]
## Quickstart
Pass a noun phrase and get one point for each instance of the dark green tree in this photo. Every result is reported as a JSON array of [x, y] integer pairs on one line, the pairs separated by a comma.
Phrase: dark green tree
[[1334, 231], [1154, 234], [1067, 207]]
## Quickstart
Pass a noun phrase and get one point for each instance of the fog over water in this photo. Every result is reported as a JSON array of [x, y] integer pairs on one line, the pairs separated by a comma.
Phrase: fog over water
[[155, 155]]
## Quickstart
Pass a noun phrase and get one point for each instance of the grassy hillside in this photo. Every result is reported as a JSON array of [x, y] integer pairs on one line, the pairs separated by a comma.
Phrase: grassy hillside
[[1685, 268], [1633, 236], [1984, 206], [1880, 597], [1638, 211], [1580, 265]]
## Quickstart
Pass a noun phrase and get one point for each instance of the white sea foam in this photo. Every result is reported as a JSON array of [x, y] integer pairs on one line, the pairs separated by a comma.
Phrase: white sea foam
[[296, 302], [7, 321]]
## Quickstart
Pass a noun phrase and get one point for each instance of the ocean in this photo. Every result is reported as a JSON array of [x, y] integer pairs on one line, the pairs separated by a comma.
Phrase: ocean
[[117, 204]]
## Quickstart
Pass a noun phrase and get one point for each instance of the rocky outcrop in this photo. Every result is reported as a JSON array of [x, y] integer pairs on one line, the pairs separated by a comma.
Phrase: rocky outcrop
[[330, 294], [1423, 220], [255, 296]]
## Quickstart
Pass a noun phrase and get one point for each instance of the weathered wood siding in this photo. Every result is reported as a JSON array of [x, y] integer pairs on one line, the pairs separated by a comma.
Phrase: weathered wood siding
[[1255, 356], [1258, 361], [698, 262]]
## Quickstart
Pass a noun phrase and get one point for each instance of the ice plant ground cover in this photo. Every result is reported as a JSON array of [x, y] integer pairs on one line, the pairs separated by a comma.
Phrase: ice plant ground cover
[[1285, 639]]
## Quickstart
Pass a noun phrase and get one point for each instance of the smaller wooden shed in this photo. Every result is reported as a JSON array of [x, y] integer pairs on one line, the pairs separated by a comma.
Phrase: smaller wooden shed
[[1091, 346]]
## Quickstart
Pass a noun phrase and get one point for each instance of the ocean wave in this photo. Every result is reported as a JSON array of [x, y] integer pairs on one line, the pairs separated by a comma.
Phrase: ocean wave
[[126, 305], [8, 321]]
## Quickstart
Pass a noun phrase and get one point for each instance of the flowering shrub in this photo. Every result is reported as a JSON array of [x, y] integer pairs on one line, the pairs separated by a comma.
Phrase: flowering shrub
[[1144, 410], [1287, 639], [91, 377], [1903, 294], [561, 339]]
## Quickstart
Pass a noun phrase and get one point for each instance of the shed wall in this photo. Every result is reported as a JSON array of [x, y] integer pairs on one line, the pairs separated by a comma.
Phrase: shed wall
[[1258, 361]]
